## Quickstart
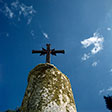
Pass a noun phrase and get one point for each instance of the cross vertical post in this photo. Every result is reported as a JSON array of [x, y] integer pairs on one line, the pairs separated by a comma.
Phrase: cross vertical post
[[48, 53]]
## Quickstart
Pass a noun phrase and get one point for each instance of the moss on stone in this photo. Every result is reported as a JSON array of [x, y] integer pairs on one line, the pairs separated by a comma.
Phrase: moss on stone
[[47, 86]]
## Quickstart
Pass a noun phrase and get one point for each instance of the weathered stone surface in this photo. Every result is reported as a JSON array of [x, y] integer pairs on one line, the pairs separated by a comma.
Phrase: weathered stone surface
[[48, 90]]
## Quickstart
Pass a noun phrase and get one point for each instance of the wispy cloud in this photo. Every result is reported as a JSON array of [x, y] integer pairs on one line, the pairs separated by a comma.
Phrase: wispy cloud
[[111, 70], [96, 40], [45, 35], [85, 57], [32, 33], [94, 64], [101, 91], [4, 34], [109, 89], [18, 10], [8, 12], [109, 29], [105, 91]]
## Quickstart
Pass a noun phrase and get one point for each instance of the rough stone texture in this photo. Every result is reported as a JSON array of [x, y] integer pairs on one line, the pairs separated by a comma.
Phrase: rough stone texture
[[48, 90]]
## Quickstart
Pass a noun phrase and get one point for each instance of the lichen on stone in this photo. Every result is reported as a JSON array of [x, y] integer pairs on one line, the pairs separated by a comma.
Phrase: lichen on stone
[[48, 90]]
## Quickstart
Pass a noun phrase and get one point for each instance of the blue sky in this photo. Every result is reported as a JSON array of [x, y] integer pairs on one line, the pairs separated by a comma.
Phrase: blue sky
[[82, 28]]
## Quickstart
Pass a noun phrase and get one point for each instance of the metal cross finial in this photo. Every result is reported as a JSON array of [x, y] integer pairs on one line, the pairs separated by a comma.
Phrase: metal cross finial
[[48, 51]]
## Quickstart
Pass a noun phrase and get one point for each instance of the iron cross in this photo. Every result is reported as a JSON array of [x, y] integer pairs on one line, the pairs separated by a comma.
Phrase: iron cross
[[48, 51]]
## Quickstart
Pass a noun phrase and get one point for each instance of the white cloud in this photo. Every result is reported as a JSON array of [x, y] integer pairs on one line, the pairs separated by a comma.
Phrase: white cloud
[[45, 35], [8, 12], [17, 11], [26, 10], [109, 89], [29, 20], [111, 70], [101, 91], [109, 29], [94, 64], [105, 91], [96, 40], [85, 57], [15, 4], [32, 33]]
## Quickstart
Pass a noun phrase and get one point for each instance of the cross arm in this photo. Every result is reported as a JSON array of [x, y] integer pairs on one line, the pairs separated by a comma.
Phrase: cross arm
[[42, 52], [59, 51], [53, 51], [35, 51]]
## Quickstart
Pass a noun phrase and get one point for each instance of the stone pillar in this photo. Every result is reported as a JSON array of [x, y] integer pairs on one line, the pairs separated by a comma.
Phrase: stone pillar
[[48, 90]]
